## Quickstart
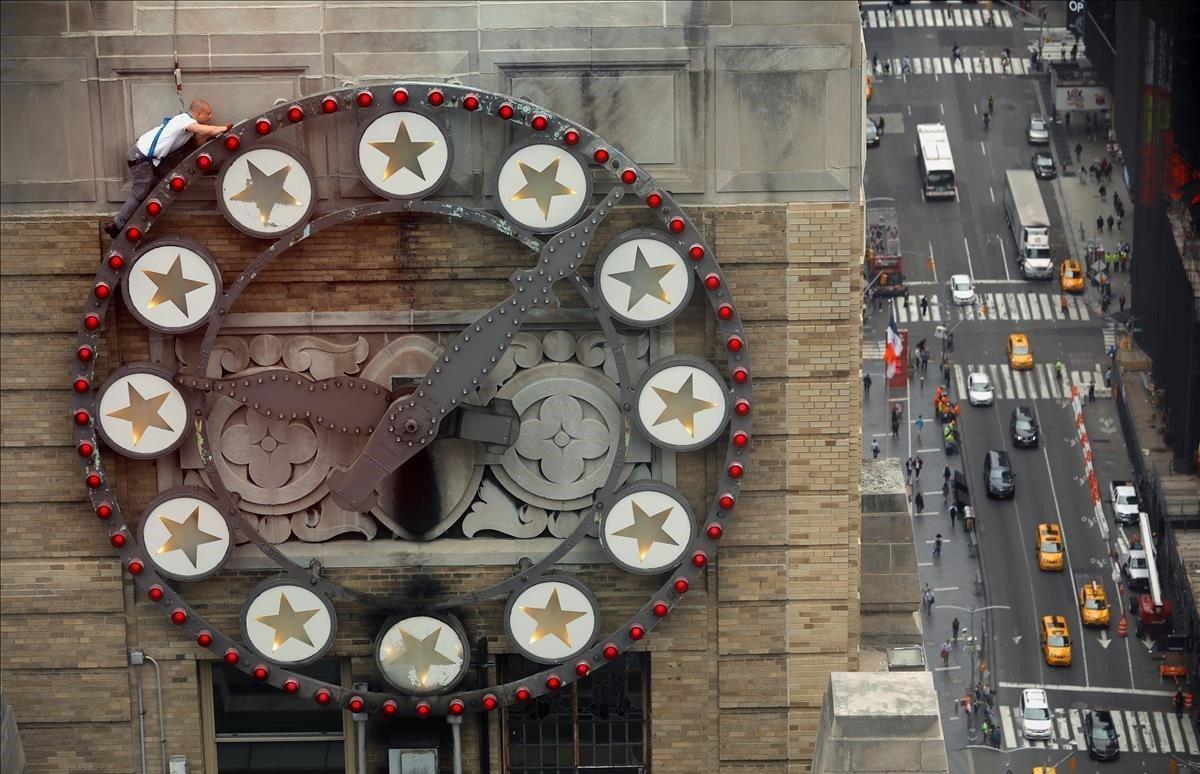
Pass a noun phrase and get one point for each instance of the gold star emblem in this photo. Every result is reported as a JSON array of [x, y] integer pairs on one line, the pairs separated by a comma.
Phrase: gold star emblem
[[186, 536], [551, 620], [142, 412], [682, 406], [288, 623], [172, 286], [643, 279], [647, 530], [403, 153], [416, 656], [266, 191], [541, 186]]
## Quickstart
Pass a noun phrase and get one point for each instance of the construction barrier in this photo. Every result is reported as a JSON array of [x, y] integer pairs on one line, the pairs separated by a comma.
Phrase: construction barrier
[[1085, 446]]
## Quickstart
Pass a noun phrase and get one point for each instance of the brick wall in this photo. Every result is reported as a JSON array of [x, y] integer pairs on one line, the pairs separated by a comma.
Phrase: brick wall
[[737, 673]]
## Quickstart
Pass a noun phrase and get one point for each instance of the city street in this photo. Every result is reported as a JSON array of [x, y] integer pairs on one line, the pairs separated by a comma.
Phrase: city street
[[969, 235]]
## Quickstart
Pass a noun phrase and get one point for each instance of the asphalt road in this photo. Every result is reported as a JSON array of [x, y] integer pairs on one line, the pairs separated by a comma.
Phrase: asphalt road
[[969, 236]]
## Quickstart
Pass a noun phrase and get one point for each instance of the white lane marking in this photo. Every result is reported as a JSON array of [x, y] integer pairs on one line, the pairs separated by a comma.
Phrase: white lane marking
[[1041, 379], [1147, 734], [982, 147], [1123, 738], [1009, 725], [947, 588], [1019, 385], [1062, 725], [1047, 307], [1050, 377], [992, 193], [1077, 728], [1003, 258], [1188, 736], [1023, 306], [1004, 372], [962, 385], [1005, 18], [1132, 736], [1167, 732], [1001, 307], [970, 268]]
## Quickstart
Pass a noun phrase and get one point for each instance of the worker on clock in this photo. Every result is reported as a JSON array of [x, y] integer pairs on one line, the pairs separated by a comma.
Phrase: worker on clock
[[146, 155]]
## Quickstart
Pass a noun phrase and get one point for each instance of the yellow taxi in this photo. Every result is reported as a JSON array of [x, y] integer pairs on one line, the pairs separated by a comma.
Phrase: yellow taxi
[[1070, 276], [1093, 604], [1020, 355], [1049, 548], [1044, 770], [1056, 640]]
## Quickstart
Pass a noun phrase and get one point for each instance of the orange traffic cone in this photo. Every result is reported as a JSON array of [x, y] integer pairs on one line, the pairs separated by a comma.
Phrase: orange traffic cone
[[1122, 627]]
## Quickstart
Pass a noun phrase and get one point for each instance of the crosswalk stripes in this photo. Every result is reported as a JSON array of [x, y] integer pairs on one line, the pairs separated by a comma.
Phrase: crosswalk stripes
[[1137, 731], [872, 350], [1110, 337], [944, 65], [1037, 383], [998, 306], [935, 17]]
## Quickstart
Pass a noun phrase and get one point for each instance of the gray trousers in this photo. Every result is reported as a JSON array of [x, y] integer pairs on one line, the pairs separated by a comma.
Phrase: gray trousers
[[143, 176]]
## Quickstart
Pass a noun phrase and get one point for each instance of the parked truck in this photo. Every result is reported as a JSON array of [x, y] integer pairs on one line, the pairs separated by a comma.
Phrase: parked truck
[[884, 266], [1026, 215], [1124, 502]]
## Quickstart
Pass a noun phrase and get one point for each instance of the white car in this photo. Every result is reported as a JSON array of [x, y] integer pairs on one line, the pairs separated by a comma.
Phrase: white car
[[1036, 721], [962, 290], [1037, 131], [979, 389]]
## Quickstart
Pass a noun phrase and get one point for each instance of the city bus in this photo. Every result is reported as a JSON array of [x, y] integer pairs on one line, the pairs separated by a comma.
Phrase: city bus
[[935, 162]]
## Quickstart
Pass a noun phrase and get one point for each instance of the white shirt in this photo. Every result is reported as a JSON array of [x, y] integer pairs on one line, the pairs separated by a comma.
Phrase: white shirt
[[173, 137]]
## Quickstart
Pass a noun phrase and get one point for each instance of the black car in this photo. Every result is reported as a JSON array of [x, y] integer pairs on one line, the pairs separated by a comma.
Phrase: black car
[[998, 478], [1024, 427], [1100, 735], [1043, 166]]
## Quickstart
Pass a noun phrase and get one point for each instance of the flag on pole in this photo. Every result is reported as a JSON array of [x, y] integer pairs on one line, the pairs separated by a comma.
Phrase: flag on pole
[[894, 349]]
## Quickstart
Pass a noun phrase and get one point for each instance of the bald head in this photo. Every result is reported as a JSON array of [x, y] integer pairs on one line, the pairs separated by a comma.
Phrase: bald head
[[201, 110]]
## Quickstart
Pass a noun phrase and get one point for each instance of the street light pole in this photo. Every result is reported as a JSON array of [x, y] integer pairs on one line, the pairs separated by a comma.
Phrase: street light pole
[[971, 611]]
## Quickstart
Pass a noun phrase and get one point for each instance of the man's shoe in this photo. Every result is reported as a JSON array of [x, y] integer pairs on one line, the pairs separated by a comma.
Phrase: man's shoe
[[112, 230]]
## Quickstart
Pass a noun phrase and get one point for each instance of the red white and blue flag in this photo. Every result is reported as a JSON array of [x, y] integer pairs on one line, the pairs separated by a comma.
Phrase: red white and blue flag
[[894, 349]]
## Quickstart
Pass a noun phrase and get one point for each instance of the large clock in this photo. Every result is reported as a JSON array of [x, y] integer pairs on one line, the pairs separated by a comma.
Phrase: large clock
[[552, 187]]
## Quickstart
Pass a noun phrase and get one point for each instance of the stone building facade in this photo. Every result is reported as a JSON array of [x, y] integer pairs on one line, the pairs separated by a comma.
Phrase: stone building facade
[[749, 113]]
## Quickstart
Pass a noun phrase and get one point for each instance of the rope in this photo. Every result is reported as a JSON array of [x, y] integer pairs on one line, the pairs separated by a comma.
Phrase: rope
[[175, 52]]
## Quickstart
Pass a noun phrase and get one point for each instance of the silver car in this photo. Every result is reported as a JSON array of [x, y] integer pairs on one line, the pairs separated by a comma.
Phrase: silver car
[[979, 389], [1037, 131], [873, 133]]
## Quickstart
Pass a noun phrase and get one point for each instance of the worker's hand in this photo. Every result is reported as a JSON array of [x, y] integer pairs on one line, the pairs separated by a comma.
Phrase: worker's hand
[[228, 127]]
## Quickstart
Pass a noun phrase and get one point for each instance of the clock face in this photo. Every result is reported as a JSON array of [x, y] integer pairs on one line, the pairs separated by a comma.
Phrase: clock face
[[269, 427]]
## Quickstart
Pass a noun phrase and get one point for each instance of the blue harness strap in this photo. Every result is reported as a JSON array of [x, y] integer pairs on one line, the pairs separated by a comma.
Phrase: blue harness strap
[[154, 142]]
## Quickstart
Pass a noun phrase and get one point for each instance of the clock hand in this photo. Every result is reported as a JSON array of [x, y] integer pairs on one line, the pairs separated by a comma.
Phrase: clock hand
[[411, 423]]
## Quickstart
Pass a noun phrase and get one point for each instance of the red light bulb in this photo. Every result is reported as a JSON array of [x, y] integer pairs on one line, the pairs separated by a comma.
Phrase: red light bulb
[[116, 262], [741, 407], [725, 311], [295, 113], [177, 184], [456, 706], [736, 470], [356, 704], [505, 111], [539, 123], [523, 694], [261, 672], [262, 126], [400, 96], [117, 540], [714, 531], [629, 177], [81, 416], [490, 703], [91, 322], [81, 386], [204, 162], [390, 707], [436, 97], [423, 709], [699, 559], [329, 105], [553, 682], [681, 585], [740, 375], [727, 502], [133, 233], [654, 201], [204, 639], [610, 652], [601, 156], [290, 686], [153, 207], [135, 567], [660, 609], [470, 102], [734, 344], [86, 449], [571, 137], [155, 593], [636, 632], [94, 481], [84, 353], [582, 669], [695, 252], [179, 618], [104, 510], [231, 657], [740, 439], [102, 290], [232, 143], [322, 697], [676, 225], [365, 99], [712, 282]]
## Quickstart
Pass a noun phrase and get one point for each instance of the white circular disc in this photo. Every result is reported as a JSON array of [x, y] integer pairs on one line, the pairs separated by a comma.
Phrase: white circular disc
[[644, 281], [542, 187], [552, 621], [185, 538], [142, 414], [266, 192], [421, 655], [681, 407], [173, 288], [288, 624], [403, 154], [647, 531]]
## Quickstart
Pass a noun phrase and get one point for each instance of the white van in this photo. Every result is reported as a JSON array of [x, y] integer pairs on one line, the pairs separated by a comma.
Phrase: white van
[[1036, 722]]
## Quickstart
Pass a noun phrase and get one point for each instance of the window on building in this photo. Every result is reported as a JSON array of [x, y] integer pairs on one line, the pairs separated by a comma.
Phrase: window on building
[[255, 728], [598, 724]]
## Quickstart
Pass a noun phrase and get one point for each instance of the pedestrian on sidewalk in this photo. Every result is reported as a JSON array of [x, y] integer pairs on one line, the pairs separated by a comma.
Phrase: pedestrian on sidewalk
[[946, 474], [954, 628], [1103, 189], [918, 463], [1110, 223], [1121, 301], [866, 385], [920, 423], [1067, 121], [1078, 153], [945, 492], [953, 513], [1099, 222], [1120, 219], [937, 545], [927, 600], [906, 65], [919, 504], [924, 306], [908, 469], [1074, 51], [945, 652], [1108, 377], [874, 448], [956, 53], [1091, 392]]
